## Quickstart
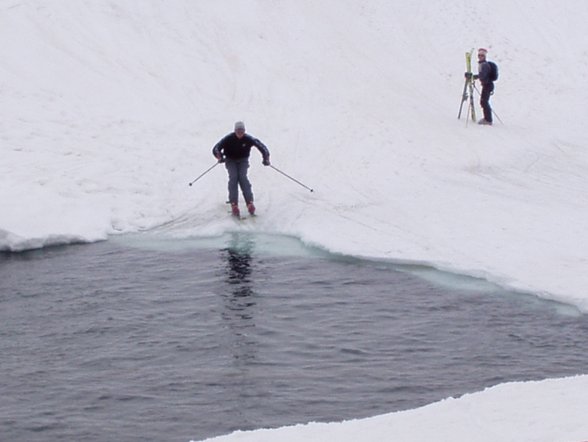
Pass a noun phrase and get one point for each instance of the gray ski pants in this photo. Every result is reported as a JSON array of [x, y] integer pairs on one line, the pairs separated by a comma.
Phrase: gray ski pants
[[238, 178]]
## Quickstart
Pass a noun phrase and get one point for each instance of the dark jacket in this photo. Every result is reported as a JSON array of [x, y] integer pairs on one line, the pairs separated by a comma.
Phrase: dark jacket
[[234, 148], [484, 73]]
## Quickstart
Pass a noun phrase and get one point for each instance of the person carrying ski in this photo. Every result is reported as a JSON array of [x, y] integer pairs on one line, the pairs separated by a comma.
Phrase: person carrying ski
[[234, 150], [487, 80]]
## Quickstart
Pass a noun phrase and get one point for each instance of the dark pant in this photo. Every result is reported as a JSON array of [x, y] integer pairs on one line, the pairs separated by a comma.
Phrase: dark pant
[[487, 90], [238, 178]]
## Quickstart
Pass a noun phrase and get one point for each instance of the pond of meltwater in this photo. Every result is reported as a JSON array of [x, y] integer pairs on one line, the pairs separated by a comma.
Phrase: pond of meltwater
[[142, 338]]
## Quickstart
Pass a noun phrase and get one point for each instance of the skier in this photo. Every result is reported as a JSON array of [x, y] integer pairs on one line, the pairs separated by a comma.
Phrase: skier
[[234, 150], [484, 75]]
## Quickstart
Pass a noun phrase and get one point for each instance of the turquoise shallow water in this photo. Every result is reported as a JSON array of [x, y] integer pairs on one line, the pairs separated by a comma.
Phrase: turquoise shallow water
[[142, 338]]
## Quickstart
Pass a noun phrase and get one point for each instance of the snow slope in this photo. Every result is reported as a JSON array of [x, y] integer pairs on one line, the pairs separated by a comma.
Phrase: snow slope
[[110, 108]]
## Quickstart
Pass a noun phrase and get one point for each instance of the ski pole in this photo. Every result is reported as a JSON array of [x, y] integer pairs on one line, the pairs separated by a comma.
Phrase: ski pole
[[293, 179], [204, 173], [464, 97], [493, 112], [496, 115]]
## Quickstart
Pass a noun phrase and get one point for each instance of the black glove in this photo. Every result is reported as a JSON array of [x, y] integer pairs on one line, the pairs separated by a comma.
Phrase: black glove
[[476, 77], [266, 162], [221, 159], [468, 75]]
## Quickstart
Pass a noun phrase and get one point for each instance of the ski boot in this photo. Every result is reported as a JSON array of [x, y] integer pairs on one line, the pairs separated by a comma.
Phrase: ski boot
[[235, 210], [251, 208]]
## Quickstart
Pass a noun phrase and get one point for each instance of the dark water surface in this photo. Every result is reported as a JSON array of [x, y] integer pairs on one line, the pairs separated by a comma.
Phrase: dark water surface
[[172, 341]]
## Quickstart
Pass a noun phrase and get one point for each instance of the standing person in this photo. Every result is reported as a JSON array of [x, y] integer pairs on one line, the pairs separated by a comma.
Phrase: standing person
[[234, 150], [486, 78]]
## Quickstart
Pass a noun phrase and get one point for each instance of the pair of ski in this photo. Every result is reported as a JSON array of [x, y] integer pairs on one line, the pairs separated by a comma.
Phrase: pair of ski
[[468, 89], [240, 217], [243, 217]]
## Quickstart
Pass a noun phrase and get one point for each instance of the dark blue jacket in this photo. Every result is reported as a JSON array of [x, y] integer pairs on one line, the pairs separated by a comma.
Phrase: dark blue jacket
[[484, 72], [234, 148]]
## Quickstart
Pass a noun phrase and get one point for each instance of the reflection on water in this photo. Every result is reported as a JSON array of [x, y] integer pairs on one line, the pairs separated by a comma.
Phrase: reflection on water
[[238, 256], [239, 299], [238, 274]]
